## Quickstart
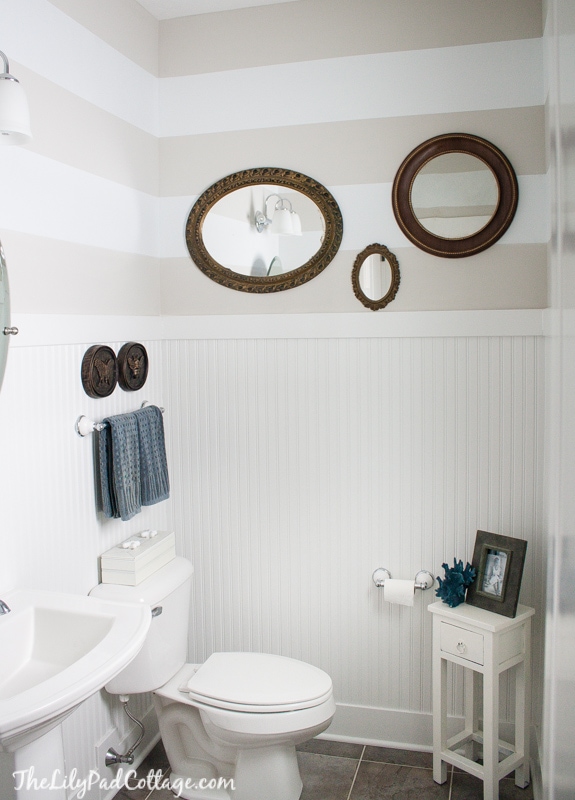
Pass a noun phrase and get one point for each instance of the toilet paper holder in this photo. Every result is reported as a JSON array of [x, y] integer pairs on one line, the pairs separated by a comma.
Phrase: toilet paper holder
[[423, 580]]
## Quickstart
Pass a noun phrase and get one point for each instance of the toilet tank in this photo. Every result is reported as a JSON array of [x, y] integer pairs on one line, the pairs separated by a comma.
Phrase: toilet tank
[[165, 649]]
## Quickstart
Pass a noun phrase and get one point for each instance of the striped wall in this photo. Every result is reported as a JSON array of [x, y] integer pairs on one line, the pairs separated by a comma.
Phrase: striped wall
[[339, 91], [309, 439]]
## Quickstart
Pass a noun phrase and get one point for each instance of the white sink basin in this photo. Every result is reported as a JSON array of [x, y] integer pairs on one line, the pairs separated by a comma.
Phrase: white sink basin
[[57, 650]]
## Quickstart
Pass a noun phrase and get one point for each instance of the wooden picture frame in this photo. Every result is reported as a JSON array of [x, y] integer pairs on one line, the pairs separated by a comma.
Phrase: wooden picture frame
[[498, 561]]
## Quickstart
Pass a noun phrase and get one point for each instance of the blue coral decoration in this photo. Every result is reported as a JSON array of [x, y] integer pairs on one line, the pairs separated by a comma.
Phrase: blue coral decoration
[[457, 579]]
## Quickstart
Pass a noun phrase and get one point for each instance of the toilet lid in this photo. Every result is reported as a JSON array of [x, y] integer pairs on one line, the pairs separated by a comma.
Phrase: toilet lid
[[258, 682]]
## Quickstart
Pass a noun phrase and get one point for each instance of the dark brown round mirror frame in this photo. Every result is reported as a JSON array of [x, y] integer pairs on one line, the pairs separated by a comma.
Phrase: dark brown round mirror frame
[[270, 283], [467, 245], [386, 255]]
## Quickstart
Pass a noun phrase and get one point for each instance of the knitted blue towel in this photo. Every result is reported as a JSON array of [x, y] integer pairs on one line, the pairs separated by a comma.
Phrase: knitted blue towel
[[155, 483], [119, 452]]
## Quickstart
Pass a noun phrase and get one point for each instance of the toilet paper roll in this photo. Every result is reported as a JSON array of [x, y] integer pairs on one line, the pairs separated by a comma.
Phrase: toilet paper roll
[[399, 592]]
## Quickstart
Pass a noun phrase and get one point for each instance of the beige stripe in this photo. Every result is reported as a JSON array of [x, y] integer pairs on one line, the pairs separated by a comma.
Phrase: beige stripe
[[503, 277], [123, 24], [56, 277], [339, 153], [84, 136], [315, 29]]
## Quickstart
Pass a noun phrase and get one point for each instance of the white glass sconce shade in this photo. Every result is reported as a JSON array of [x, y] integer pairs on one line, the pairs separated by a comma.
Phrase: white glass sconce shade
[[14, 113], [282, 222]]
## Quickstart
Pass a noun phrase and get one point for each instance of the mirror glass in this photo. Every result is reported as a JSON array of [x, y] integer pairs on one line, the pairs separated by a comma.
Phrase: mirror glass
[[375, 276], [235, 240], [4, 313], [264, 230], [454, 195]]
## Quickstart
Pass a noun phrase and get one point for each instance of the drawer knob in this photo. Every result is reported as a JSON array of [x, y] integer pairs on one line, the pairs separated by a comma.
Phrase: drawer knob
[[461, 647]]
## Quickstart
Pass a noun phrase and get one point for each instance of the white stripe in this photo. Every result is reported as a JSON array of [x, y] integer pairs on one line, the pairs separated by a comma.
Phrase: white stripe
[[44, 39], [433, 81], [91, 210], [48, 198], [368, 217]]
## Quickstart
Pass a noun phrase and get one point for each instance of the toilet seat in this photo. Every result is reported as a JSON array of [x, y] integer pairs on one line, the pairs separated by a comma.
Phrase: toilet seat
[[258, 683]]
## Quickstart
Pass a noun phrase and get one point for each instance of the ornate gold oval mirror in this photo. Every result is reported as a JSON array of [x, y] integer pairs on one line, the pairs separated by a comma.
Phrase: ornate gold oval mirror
[[264, 230], [455, 195], [375, 276]]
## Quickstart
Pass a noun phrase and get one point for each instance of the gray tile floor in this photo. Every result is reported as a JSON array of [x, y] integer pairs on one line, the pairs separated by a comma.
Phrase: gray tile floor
[[339, 771]]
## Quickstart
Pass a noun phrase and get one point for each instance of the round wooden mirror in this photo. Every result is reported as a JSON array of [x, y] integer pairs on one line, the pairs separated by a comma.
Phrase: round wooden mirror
[[455, 195], [264, 230], [375, 276]]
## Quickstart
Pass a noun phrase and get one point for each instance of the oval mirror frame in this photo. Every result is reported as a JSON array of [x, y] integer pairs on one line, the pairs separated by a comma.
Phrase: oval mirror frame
[[387, 256], [323, 199], [467, 245]]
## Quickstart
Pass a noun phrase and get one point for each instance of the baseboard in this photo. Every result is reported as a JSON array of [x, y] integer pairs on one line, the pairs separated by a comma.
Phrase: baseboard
[[406, 730], [384, 727]]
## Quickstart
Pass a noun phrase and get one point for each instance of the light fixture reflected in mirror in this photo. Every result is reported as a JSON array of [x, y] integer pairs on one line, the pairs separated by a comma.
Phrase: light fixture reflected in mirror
[[14, 114], [283, 221]]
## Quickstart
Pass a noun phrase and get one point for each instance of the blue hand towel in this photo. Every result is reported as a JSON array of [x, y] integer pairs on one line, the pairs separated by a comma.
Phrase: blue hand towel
[[119, 454], [155, 483]]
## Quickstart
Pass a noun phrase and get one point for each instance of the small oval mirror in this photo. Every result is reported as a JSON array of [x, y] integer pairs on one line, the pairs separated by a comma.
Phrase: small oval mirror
[[375, 277], [264, 230]]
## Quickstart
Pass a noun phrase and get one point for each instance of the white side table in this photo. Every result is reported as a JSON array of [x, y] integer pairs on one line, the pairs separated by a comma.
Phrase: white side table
[[488, 644]]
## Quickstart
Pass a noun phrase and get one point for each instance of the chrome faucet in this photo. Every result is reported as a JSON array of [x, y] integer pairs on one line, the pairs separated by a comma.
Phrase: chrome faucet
[[4, 609]]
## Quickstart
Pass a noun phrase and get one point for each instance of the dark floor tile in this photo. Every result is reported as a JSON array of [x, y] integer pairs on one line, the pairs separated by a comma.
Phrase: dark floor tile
[[330, 748], [377, 780], [157, 758], [325, 777], [468, 787], [390, 755]]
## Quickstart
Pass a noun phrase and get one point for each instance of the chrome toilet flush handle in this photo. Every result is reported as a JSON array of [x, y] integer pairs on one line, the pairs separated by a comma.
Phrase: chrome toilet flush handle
[[157, 611]]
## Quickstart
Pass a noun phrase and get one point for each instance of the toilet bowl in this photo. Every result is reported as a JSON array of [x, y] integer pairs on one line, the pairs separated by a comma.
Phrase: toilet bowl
[[230, 725], [245, 713]]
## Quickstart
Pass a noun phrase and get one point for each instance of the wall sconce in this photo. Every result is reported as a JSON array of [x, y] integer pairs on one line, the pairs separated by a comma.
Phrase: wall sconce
[[283, 221], [14, 114]]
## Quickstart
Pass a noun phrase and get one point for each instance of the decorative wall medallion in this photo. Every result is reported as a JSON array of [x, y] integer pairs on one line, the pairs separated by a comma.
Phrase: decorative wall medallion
[[99, 371], [132, 366]]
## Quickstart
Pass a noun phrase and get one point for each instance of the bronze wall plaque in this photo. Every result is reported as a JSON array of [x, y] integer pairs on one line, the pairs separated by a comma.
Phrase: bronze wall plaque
[[99, 371], [132, 366]]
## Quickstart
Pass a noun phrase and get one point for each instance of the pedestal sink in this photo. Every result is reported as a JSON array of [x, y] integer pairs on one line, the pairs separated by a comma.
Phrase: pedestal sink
[[56, 650]]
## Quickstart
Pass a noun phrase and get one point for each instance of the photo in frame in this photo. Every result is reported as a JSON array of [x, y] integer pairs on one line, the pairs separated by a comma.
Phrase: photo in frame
[[499, 562]]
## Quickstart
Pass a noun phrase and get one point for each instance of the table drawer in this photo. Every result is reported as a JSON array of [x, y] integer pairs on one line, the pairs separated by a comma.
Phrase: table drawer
[[461, 642]]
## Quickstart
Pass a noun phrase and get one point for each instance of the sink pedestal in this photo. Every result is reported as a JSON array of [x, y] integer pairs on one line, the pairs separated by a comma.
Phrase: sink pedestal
[[35, 770]]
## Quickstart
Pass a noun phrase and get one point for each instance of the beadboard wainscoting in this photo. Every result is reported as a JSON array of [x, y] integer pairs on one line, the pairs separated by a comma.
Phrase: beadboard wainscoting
[[310, 462], [299, 463]]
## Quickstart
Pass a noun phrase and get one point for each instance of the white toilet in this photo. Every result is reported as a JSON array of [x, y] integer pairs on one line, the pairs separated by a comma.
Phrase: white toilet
[[229, 725]]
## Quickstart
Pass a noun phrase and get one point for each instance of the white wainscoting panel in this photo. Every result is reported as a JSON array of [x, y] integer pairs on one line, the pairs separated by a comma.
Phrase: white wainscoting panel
[[298, 466], [306, 464]]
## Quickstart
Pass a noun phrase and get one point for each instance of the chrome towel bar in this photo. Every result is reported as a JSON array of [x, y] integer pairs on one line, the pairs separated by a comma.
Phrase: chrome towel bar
[[84, 426]]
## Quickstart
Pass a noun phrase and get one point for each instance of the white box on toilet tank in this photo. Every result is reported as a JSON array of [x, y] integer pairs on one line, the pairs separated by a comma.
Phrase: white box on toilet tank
[[131, 562]]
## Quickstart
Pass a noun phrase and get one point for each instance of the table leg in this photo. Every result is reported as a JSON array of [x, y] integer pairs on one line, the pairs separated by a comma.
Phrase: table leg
[[522, 708], [439, 718], [490, 735]]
